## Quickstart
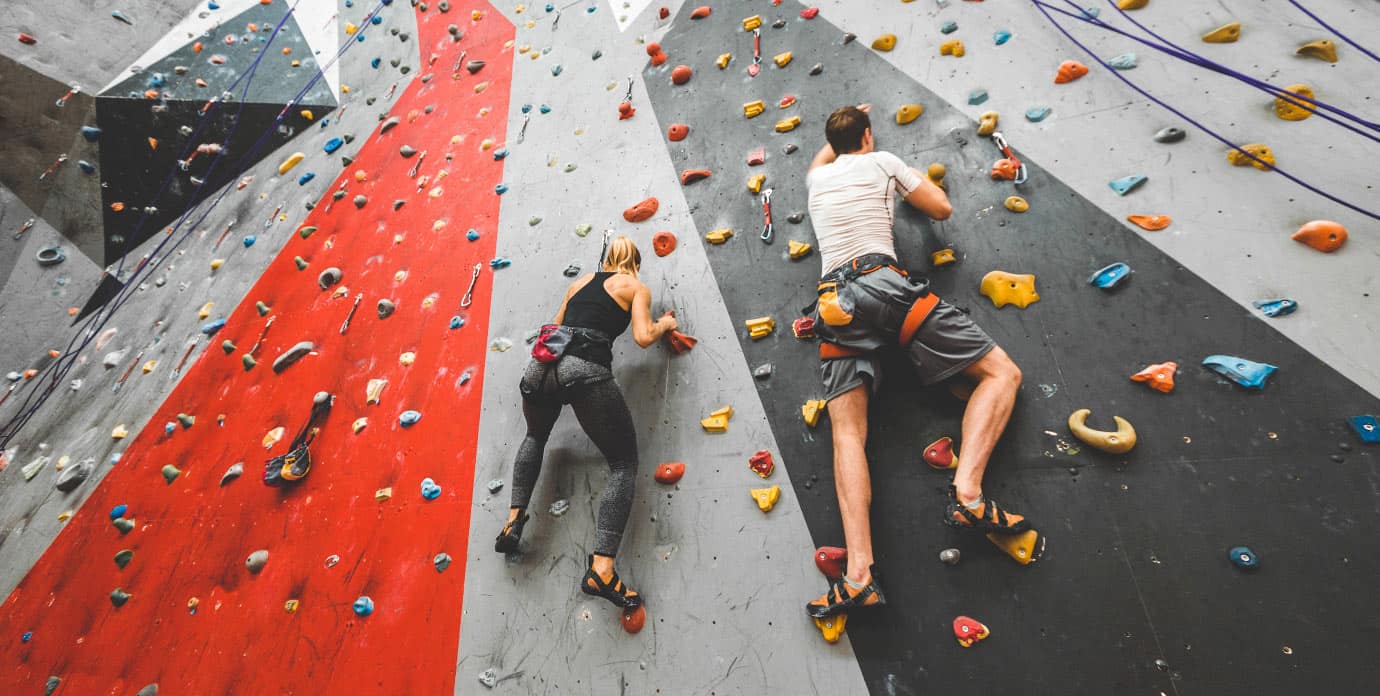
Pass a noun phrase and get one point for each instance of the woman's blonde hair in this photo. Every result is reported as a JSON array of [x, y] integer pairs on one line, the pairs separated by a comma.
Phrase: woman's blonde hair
[[623, 257]]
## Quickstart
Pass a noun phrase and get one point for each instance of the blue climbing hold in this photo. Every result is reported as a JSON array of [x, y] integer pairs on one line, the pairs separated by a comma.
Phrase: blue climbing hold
[[526, 108], [86, 167], [210, 328], [590, 9], [376, 20], [249, 240], [91, 133], [977, 96], [1125, 61], [158, 79], [28, 636], [1001, 37], [387, 2], [1092, 12], [430, 490], [1246, 373], [544, 109], [948, 27], [1276, 308], [1037, 113], [456, 322], [332, 145], [500, 262], [118, 511], [359, 37], [1242, 558], [500, 153], [1367, 428], [302, 180], [169, 428], [501, 189], [472, 235], [364, 606], [555, 71], [212, 6], [409, 418], [1126, 184], [375, 62], [550, 7], [1110, 276]]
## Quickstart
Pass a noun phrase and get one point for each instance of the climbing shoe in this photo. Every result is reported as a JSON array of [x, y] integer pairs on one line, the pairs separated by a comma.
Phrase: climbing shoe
[[614, 590], [508, 538], [988, 517], [843, 597]]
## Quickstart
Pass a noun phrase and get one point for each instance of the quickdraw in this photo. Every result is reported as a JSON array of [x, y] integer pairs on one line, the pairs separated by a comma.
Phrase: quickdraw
[[468, 299], [351, 315], [1010, 163], [767, 229], [756, 66]]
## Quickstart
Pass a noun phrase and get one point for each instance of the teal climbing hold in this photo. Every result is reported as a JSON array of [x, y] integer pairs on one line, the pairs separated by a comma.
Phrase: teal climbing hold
[[1111, 276], [1125, 61], [1126, 184], [948, 27], [1036, 114], [364, 606], [1092, 12], [1247, 373], [1276, 308], [1001, 37], [977, 96]]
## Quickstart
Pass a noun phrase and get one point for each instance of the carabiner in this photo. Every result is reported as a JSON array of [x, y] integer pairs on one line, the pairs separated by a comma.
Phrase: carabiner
[[468, 299]]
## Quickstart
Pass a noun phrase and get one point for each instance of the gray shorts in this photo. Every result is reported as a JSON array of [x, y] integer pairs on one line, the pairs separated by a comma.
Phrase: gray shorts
[[946, 343]]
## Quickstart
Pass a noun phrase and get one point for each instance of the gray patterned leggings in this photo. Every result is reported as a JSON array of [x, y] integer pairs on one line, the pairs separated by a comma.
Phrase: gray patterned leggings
[[603, 414]]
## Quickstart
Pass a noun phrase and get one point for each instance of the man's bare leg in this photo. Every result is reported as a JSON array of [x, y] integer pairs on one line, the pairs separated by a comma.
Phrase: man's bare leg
[[852, 482], [984, 419]]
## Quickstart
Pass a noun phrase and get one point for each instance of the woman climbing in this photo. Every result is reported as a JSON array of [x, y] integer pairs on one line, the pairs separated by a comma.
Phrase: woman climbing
[[572, 365]]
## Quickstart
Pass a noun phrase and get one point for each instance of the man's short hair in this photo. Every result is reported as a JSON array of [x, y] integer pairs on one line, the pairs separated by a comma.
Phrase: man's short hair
[[845, 128]]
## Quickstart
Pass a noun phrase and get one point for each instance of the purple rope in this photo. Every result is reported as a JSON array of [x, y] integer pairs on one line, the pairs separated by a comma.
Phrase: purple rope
[[1042, 7], [1339, 34]]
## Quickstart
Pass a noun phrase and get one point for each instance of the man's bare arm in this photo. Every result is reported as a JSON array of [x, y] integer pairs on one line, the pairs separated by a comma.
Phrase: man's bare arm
[[929, 199], [824, 156]]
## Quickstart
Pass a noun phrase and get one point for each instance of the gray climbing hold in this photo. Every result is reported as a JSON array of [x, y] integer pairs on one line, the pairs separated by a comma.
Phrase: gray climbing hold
[[118, 597], [762, 371], [256, 561], [949, 556], [235, 471], [123, 558], [560, 507], [849, 38], [475, 66], [389, 124], [441, 561], [556, 70], [1170, 135], [534, 221], [817, 69], [329, 277], [407, 151], [597, 54], [50, 256], [248, 361], [292, 355], [170, 473], [1125, 61], [71, 477], [386, 308], [443, 6], [495, 486], [570, 167], [571, 271], [122, 524], [228, 346], [112, 359], [150, 690], [796, 218], [489, 677], [948, 27], [51, 686], [361, 200]]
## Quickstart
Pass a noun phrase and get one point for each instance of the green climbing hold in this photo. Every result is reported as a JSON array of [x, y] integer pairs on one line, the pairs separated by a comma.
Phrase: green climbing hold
[[118, 597], [583, 229], [306, 231], [122, 524], [227, 346], [186, 420], [301, 263], [263, 308], [249, 362], [170, 473], [123, 558]]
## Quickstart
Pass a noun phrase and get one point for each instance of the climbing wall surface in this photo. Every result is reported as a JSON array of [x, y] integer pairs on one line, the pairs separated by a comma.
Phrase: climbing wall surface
[[177, 575], [1137, 574]]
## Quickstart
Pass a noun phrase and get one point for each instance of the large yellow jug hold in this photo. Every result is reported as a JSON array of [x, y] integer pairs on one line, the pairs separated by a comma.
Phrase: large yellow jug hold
[[908, 113]]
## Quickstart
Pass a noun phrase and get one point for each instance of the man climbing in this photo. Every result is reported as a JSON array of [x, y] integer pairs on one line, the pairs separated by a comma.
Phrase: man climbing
[[866, 301]]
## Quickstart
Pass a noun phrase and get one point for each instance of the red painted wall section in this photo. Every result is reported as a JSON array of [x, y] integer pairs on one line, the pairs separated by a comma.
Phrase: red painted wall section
[[192, 536]]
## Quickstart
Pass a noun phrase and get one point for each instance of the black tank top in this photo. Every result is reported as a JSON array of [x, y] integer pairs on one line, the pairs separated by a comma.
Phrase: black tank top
[[593, 308]]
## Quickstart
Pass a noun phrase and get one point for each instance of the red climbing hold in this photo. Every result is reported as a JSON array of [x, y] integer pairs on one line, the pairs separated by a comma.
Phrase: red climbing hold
[[625, 111], [787, 101], [690, 176], [761, 463], [664, 12], [756, 157], [658, 56], [642, 210], [809, 13], [832, 561], [663, 243], [1069, 71], [1006, 169], [940, 454], [634, 618], [680, 343], [26, 39], [803, 328], [700, 12], [1324, 235], [969, 630], [669, 472], [1158, 377], [677, 132], [681, 74]]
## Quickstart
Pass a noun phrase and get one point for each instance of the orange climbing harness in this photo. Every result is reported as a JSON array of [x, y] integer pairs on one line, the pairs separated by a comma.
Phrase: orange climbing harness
[[834, 312]]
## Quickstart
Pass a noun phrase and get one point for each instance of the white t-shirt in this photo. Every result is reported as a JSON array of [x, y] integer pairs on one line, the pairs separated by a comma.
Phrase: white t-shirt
[[852, 201]]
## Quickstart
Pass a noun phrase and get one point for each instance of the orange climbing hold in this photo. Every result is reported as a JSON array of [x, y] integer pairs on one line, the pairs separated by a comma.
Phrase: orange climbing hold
[[669, 472], [634, 618], [663, 243], [659, 57], [1324, 235], [1006, 169], [681, 74], [625, 111], [1153, 223], [690, 176], [701, 12], [940, 454], [1069, 71], [1158, 377], [642, 210], [761, 463], [677, 132], [680, 343]]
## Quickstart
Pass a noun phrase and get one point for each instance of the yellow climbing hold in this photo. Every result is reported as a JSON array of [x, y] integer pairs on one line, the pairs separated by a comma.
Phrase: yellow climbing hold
[[217, 263], [787, 125], [755, 182], [1262, 152], [723, 60], [754, 108], [942, 258], [1227, 33], [1009, 288], [272, 437], [1119, 441], [761, 327], [952, 47], [1291, 110], [798, 250], [782, 59], [1016, 204], [935, 173], [766, 497], [717, 422], [1322, 50], [119, 433], [1132, 4], [351, 28], [987, 123], [307, 114], [719, 236], [205, 311], [291, 162], [885, 42], [811, 410], [148, 366], [832, 627], [752, 22], [908, 113]]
